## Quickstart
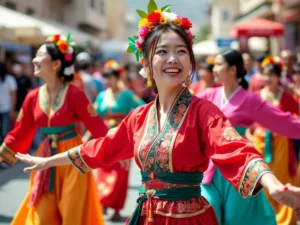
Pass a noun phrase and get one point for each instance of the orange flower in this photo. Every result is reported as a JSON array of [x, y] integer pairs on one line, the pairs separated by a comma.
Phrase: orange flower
[[63, 46], [178, 22]]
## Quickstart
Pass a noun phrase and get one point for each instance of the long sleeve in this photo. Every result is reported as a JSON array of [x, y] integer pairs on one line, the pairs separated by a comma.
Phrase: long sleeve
[[239, 162], [135, 101], [273, 118], [20, 138], [117, 145], [88, 115]]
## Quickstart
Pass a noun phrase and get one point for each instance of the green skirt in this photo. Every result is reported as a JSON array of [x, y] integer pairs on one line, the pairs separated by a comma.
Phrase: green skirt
[[232, 209]]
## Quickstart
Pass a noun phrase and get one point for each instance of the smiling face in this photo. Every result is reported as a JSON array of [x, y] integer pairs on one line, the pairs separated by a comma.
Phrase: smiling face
[[270, 78], [43, 64], [171, 61]]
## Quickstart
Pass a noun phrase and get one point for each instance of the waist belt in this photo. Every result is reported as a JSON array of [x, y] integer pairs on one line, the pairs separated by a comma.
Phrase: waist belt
[[170, 194]]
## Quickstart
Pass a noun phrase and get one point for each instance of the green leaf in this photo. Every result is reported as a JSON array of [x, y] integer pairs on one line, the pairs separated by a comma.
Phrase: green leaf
[[132, 44], [130, 49], [141, 13], [137, 56], [69, 37], [132, 39], [166, 8], [152, 6]]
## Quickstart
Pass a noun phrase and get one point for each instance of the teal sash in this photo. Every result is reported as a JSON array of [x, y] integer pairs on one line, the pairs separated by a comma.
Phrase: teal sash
[[170, 194], [55, 134], [241, 130], [268, 150]]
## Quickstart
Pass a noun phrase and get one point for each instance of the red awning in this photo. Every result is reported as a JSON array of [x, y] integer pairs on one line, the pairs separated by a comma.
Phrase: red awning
[[257, 27]]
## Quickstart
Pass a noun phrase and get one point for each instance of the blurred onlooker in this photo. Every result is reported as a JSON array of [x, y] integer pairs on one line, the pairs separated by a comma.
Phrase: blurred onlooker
[[296, 79], [257, 82], [249, 65], [206, 76], [24, 83], [298, 57], [287, 59], [97, 76], [83, 65], [8, 89]]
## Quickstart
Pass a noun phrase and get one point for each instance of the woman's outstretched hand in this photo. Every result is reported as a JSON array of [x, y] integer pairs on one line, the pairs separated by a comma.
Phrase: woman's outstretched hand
[[36, 163], [288, 195]]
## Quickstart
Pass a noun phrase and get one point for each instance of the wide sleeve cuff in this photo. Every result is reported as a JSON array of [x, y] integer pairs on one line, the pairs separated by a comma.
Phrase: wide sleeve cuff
[[77, 160], [8, 155], [249, 185]]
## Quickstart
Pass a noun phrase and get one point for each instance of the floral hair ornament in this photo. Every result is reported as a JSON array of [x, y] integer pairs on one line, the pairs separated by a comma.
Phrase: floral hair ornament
[[113, 64], [272, 60], [155, 17], [64, 44]]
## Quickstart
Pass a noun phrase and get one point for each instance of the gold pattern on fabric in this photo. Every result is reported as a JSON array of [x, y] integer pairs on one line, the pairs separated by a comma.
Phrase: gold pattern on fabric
[[91, 110], [77, 161], [251, 175], [230, 134], [58, 101], [7, 154], [20, 116]]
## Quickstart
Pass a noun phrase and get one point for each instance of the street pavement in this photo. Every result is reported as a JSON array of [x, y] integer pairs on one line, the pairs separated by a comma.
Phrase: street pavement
[[14, 184]]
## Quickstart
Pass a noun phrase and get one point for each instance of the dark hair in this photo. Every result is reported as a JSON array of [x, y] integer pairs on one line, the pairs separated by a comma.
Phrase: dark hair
[[274, 68], [296, 68], [55, 54], [234, 58], [110, 72], [207, 66], [151, 41], [3, 71]]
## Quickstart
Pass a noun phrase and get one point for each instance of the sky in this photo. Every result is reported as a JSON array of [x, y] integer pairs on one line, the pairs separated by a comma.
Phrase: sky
[[195, 10]]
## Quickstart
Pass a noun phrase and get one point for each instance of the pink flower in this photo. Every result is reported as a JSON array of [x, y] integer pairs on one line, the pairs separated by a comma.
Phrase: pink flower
[[190, 35], [143, 31], [138, 45], [181, 108], [68, 57]]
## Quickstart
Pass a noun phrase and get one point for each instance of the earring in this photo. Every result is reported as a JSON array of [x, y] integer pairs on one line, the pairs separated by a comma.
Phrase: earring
[[149, 81], [188, 81], [54, 68]]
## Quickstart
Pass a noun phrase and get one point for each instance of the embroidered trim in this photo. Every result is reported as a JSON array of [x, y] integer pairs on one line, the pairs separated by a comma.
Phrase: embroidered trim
[[156, 150], [230, 134], [8, 155], [178, 209], [77, 161], [252, 173], [58, 102]]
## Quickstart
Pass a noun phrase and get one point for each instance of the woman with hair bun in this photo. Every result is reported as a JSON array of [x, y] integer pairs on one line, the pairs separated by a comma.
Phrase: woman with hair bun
[[59, 195], [243, 109]]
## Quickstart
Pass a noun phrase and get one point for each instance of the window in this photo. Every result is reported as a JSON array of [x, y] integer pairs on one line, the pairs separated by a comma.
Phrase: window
[[10, 5], [92, 3], [225, 15], [102, 7], [29, 11]]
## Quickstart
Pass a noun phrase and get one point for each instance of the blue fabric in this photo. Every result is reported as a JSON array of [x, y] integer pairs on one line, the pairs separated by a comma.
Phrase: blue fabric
[[232, 209]]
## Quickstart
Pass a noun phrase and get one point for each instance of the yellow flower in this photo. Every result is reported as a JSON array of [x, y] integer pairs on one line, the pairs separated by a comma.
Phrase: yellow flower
[[163, 19], [143, 22]]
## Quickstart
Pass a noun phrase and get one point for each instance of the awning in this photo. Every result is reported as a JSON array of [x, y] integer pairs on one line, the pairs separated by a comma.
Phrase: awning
[[34, 30], [257, 27]]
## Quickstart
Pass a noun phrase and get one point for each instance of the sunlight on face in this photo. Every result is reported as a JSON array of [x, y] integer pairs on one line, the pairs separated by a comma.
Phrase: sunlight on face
[[42, 62], [171, 61], [220, 69]]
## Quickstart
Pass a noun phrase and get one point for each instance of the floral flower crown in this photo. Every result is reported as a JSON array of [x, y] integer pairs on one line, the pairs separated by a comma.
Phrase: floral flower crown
[[272, 60], [64, 45], [154, 18], [112, 64]]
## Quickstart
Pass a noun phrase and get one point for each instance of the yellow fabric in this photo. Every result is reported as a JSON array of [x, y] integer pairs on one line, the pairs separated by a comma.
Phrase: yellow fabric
[[73, 202], [280, 166]]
